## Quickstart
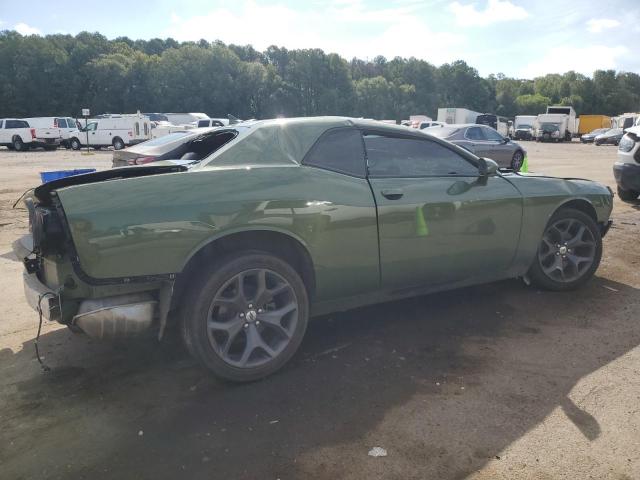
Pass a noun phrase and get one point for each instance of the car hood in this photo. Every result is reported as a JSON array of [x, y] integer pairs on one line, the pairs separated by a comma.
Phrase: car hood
[[573, 185]]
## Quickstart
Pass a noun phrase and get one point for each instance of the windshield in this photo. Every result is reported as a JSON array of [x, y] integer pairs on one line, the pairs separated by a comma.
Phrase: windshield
[[441, 132], [524, 125], [549, 127]]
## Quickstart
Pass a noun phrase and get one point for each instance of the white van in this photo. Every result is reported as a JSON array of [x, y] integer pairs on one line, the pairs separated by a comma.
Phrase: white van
[[117, 131], [67, 125]]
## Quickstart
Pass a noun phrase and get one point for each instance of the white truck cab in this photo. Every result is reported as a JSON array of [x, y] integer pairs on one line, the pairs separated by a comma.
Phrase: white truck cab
[[117, 131]]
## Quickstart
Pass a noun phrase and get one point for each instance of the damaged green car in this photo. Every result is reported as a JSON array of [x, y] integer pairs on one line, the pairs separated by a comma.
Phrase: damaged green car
[[293, 218]]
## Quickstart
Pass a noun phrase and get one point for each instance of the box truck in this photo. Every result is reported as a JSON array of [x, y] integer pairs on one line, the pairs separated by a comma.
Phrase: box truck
[[571, 129], [589, 123], [457, 115], [552, 127], [523, 127]]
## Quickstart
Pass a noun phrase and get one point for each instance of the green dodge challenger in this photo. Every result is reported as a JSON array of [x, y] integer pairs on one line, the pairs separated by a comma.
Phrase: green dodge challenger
[[293, 218]]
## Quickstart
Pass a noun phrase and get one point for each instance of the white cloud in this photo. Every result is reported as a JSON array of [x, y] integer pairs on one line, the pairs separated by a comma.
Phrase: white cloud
[[597, 25], [496, 11], [347, 27], [24, 29], [580, 59]]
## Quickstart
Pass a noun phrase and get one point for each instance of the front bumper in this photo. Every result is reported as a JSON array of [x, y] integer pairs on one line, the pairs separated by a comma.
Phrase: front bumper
[[627, 176]]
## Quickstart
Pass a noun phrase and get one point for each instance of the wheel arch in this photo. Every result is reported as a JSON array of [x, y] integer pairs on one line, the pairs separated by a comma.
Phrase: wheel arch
[[581, 204], [284, 245]]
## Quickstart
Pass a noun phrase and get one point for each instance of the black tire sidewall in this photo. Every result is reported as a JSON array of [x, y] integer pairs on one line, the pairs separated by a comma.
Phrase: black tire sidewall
[[196, 308], [118, 144], [18, 145], [537, 275], [75, 144]]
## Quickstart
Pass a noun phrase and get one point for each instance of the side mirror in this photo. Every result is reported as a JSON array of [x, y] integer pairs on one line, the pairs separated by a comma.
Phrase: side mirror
[[505, 140], [487, 167]]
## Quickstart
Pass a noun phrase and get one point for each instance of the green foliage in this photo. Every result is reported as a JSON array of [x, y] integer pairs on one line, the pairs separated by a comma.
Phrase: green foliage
[[60, 74]]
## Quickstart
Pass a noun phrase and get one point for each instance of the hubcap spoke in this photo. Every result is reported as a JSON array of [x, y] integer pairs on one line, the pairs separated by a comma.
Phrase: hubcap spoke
[[567, 250], [252, 318]]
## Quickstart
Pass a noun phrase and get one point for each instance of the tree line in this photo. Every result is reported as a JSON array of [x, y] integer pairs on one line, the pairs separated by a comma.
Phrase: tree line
[[61, 74]]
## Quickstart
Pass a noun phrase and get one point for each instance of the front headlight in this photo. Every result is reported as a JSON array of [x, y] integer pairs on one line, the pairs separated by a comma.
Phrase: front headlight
[[626, 143]]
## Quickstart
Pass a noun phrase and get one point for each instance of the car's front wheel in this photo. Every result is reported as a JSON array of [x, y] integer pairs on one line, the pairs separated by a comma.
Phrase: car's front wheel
[[75, 144], [569, 252], [245, 316]]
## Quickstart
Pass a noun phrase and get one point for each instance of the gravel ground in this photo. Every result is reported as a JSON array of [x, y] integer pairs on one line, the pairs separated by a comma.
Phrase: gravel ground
[[496, 381]]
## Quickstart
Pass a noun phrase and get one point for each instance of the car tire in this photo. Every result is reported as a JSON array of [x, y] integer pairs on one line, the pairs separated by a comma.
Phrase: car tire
[[242, 334], [118, 144], [19, 145], [75, 144], [628, 195], [569, 252], [516, 160]]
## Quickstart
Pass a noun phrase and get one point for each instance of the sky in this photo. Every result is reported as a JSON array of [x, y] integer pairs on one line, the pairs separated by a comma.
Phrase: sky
[[519, 38]]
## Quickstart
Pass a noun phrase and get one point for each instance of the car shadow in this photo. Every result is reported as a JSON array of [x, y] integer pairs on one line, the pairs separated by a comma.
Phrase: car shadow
[[475, 370]]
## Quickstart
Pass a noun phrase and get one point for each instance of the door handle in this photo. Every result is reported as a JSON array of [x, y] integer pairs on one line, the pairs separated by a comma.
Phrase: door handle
[[392, 193]]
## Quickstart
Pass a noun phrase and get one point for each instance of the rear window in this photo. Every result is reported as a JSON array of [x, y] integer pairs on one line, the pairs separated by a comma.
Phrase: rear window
[[17, 124], [61, 122], [441, 132], [165, 139]]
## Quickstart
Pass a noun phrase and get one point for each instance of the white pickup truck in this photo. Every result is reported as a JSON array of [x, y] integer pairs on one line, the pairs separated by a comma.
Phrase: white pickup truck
[[18, 135]]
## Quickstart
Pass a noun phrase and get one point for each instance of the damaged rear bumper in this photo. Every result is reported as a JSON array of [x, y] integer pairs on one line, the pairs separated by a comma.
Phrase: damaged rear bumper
[[110, 317]]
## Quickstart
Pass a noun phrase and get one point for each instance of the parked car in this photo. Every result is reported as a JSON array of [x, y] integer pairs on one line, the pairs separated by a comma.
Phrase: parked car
[[611, 137], [117, 131], [192, 145], [17, 134], [483, 141], [67, 126], [590, 137], [626, 170], [290, 219]]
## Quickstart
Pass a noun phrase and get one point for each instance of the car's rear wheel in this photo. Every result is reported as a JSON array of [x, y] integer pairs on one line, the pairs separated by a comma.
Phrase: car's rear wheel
[[118, 144], [628, 195], [516, 160], [18, 145], [245, 316], [569, 252]]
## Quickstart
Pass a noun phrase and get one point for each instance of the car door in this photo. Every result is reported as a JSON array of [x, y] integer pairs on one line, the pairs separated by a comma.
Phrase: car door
[[88, 134], [497, 148], [473, 140], [439, 221]]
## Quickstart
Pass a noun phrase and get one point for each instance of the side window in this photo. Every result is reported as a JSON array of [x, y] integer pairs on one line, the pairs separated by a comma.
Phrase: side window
[[203, 123], [137, 127], [412, 157], [146, 129], [1, 123], [474, 133], [491, 134], [92, 126], [339, 150], [59, 123]]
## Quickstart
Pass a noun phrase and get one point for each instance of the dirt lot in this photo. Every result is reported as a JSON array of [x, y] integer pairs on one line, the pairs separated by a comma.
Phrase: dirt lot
[[496, 381]]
